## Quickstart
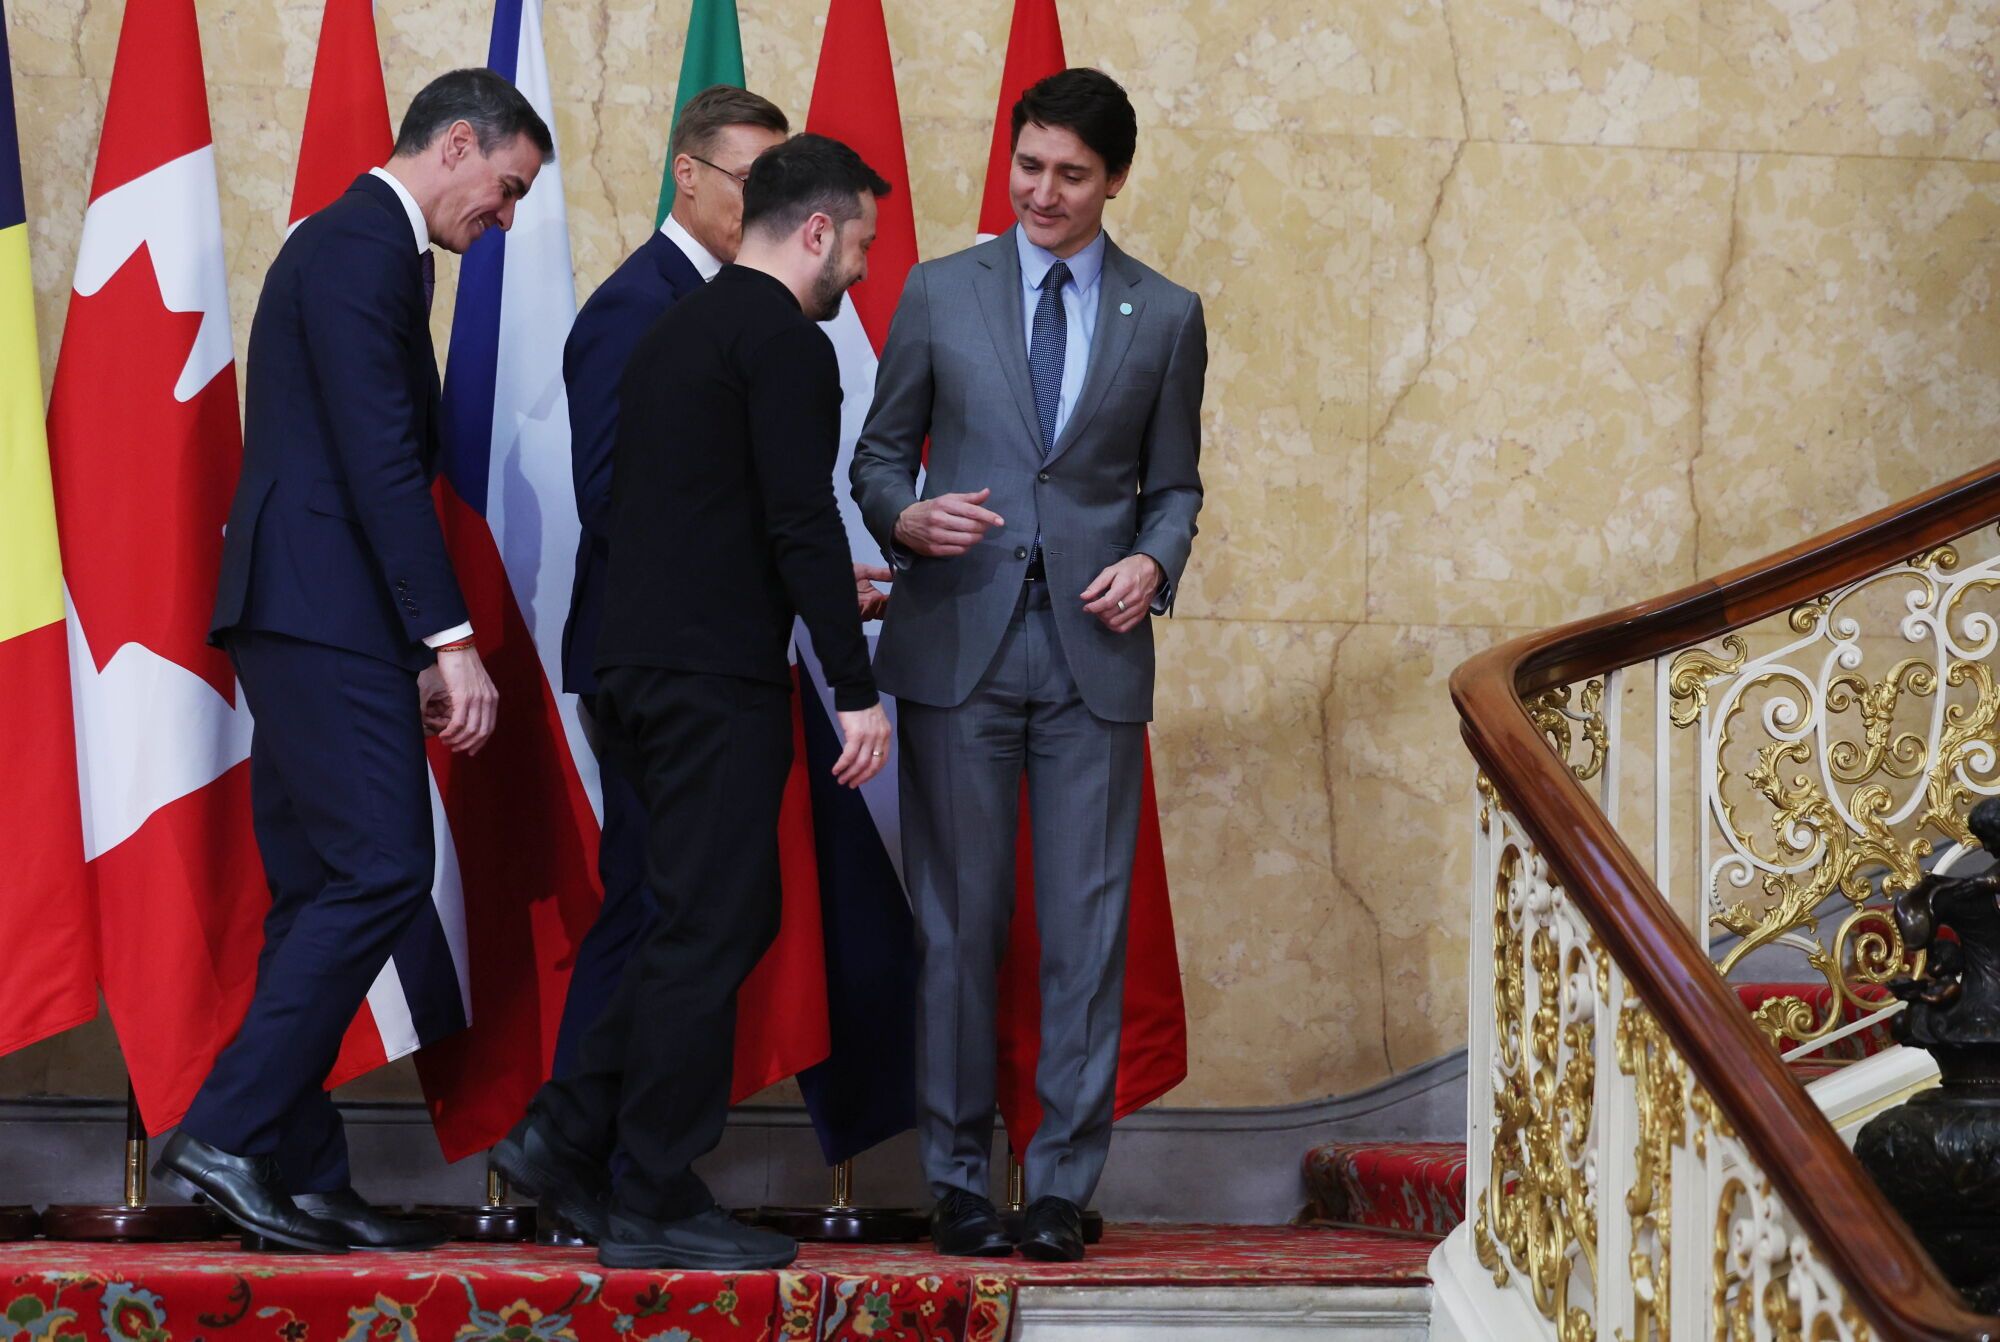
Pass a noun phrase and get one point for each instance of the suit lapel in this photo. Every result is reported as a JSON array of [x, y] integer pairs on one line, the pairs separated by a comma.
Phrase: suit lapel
[[1108, 346], [999, 289], [675, 268]]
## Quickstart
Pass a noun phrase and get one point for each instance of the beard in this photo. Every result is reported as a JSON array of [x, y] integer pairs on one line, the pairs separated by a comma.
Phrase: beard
[[828, 286]]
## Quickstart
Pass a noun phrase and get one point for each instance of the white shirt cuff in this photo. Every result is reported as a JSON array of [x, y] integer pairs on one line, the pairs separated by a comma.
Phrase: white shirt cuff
[[451, 635]]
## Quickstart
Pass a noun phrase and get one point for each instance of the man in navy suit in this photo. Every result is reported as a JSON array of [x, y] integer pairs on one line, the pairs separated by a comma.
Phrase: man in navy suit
[[718, 135], [340, 610]]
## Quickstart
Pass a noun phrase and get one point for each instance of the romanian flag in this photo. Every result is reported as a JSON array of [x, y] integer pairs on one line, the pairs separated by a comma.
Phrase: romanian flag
[[45, 916]]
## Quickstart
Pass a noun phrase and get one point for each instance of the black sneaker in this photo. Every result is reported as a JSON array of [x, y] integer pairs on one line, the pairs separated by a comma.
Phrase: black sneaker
[[708, 1241]]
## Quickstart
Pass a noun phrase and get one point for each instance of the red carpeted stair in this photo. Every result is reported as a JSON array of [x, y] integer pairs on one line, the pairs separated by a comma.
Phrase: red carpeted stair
[[217, 1293], [1419, 1187], [1409, 1186]]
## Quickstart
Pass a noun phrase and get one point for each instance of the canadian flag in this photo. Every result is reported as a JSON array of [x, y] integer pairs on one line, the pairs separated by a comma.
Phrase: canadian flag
[[144, 446]]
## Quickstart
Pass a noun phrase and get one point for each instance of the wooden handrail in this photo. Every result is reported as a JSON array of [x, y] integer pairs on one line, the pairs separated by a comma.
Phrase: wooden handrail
[[1862, 1238]]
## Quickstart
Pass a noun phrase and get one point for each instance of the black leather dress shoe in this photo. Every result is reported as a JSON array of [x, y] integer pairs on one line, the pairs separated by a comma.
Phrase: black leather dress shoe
[[569, 1187], [246, 1189], [708, 1241], [966, 1225], [363, 1227], [1052, 1231]]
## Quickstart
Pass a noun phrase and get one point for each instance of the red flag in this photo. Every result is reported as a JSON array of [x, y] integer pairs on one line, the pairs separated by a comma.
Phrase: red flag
[[347, 112], [1152, 1043], [145, 446], [854, 101], [45, 915]]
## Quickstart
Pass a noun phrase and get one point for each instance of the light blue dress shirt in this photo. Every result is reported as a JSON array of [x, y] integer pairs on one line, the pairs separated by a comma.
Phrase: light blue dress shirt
[[1079, 298]]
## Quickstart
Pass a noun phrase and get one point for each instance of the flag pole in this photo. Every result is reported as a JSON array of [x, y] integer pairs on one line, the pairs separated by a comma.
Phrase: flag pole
[[841, 1222], [132, 1219], [496, 1221]]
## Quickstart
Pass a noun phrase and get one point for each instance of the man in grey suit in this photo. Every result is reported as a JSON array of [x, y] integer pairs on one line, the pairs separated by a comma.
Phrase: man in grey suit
[[1059, 384]]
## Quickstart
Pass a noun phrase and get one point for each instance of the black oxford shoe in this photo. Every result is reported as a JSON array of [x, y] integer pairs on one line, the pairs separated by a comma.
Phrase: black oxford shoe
[[569, 1187], [708, 1241], [1052, 1232], [363, 1227], [245, 1189], [966, 1225]]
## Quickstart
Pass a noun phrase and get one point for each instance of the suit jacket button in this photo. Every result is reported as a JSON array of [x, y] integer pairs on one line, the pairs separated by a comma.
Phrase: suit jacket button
[[1043, 477], [1020, 552]]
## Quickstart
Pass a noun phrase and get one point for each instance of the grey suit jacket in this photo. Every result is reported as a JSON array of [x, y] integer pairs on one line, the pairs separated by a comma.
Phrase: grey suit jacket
[[1123, 477]]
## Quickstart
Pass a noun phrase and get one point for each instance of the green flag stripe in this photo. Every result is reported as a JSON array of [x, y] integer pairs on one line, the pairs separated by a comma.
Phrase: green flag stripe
[[713, 55]]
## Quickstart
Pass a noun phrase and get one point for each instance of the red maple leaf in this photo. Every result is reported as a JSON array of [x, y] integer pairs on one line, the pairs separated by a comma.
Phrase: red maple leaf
[[142, 481]]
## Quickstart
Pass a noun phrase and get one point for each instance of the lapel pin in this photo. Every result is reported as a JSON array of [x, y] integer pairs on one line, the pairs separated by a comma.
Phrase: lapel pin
[[1125, 309]]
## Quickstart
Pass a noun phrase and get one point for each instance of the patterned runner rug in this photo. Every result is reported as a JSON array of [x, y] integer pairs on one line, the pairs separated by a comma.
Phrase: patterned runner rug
[[467, 1293]]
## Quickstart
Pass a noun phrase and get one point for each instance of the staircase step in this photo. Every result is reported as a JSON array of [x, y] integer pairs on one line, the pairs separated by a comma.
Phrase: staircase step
[[1410, 1186], [1818, 997]]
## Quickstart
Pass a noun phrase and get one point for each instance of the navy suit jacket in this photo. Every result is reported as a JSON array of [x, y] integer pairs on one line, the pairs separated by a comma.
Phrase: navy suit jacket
[[607, 330], [333, 537]]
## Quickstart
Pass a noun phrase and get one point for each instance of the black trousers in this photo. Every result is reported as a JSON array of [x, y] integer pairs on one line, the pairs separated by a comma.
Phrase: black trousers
[[340, 793], [710, 755], [626, 915]]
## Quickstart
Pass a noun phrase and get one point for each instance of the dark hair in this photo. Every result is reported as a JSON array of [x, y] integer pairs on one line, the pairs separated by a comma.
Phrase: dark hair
[[494, 108], [806, 175], [716, 108], [1091, 105]]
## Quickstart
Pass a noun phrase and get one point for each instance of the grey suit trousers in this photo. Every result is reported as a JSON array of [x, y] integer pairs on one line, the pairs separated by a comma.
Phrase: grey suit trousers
[[961, 787]]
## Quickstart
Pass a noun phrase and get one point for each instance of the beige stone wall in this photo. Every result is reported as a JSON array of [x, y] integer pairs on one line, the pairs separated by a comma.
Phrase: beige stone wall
[[1517, 309]]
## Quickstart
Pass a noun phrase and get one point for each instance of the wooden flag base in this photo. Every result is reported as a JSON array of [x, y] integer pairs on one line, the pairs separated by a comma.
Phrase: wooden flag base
[[19, 1223], [497, 1222], [132, 1221], [841, 1222]]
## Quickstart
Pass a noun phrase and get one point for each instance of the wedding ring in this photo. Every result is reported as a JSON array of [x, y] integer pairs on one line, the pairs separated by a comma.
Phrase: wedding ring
[[876, 753], [1121, 605]]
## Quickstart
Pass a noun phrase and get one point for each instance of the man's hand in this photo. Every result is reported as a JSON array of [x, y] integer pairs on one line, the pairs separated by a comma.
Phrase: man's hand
[[866, 735], [947, 525], [1123, 594], [475, 704], [872, 600], [433, 700]]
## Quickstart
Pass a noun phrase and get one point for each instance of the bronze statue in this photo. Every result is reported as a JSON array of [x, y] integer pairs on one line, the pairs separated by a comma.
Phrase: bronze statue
[[1937, 1157]]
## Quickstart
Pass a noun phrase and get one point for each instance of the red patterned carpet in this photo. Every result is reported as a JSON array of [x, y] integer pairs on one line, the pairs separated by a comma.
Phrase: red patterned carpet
[[1413, 1186], [216, 1293]]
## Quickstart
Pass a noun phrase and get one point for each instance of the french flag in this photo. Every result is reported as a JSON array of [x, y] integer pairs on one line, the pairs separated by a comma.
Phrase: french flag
[[523, 816]]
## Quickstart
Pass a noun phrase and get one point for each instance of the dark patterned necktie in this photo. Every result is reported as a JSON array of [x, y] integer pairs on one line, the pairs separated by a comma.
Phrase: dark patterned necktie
[[1045, 353], [428, 263]]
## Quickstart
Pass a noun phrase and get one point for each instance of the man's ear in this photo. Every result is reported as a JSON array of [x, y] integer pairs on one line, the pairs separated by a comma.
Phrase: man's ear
[[820, 231], [684, 166], [1117, 182], [458, 139]]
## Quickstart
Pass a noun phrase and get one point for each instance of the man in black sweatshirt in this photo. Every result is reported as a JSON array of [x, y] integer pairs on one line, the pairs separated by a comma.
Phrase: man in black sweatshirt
[[728, 429]]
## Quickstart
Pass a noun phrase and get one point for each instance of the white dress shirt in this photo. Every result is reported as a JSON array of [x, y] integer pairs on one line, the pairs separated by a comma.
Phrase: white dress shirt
[[703, 260], [421, 234]]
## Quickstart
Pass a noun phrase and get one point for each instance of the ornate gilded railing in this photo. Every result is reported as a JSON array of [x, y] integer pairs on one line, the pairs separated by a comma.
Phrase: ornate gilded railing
[[1789, 745]]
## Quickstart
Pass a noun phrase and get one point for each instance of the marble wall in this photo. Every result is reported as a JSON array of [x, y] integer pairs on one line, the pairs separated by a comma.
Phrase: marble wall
[[1517, 309]]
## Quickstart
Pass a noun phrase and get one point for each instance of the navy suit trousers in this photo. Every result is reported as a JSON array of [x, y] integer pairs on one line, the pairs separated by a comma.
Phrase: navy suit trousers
[[626, 915], [341, 796]]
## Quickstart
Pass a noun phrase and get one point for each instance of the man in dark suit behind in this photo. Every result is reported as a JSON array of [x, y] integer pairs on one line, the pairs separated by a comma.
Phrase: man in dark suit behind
[[716, 138], [728, 429], [340, 610]]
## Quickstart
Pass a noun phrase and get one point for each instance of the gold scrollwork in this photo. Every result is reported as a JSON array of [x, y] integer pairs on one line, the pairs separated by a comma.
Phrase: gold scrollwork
[[1551, 714], [1691, 672], [1763, 1265], [1804, 821], [1536, 1214], [1660, 1091]]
